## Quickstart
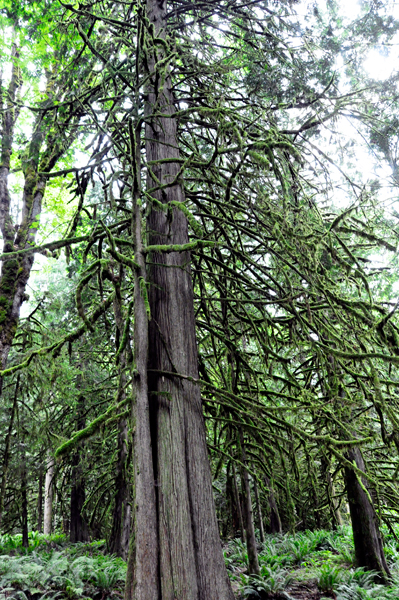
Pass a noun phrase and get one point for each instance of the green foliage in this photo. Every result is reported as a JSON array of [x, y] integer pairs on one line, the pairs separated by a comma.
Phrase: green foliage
[[73, 571]]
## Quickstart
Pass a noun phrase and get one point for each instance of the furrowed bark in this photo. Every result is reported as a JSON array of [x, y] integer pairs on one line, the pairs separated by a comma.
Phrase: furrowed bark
[[191, 564], [143, 568]]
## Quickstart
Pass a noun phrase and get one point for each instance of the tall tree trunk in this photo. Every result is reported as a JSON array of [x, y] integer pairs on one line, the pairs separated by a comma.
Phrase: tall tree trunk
[[119, 537], [233, 521], [274, 516], [259, 512], [48, 494], [78, 526], [188, 562], [7, 450], [253, 562], [366, 535], [118, 533], [40, 501], [238, 504], [24, 500]]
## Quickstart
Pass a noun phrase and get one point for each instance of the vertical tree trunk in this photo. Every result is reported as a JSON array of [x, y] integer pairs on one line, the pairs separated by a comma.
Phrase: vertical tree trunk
[[336, 518], [48, 494], [253, 562], [40, 501], [274, 516], [233, 521], [238, 504], [119, 537], [259, 512], [143, 573], [7, 450], [117, 543], [78, 526], [188, 562], [24, 503], [366, 535]]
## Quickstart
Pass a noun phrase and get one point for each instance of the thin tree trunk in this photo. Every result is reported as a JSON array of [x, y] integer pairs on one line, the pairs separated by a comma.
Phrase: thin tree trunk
[[7, 450], [48, 494], [121, 494], [119, 537], [334, 505], [275, 521], [238, 503], [24, 503], [40, 501], [78, 526], [253, 562], [259, 512], [366, 535]]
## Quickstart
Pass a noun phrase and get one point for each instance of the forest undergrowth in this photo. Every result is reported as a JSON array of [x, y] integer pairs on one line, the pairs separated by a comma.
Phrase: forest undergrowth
[[310, 565]]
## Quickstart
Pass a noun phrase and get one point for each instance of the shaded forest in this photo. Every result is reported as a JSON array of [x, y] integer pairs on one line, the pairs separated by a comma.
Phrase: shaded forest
[[199, 339]]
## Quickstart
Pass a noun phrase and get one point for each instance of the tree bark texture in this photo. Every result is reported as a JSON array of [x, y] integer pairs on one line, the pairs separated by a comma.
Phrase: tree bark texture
[[366, 535], [187, 559], [48, 495]]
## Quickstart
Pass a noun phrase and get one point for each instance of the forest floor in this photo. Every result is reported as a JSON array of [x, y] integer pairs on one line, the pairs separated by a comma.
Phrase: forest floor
[[316, 565]]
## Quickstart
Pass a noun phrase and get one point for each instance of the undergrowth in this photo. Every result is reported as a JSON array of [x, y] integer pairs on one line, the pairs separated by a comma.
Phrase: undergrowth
[[52, 568], [322, 559]]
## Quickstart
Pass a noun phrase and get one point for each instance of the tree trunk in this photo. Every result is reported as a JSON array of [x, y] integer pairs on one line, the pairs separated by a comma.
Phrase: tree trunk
[[24, 503], [274, 516], [336, 518], [119, 537], [78, 526], [366, 535], [118, 540], [259, 512], [189, 562], [238, 504], [40, 501], [7, 450], [48, 494], [253, 562], [233, 520]]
